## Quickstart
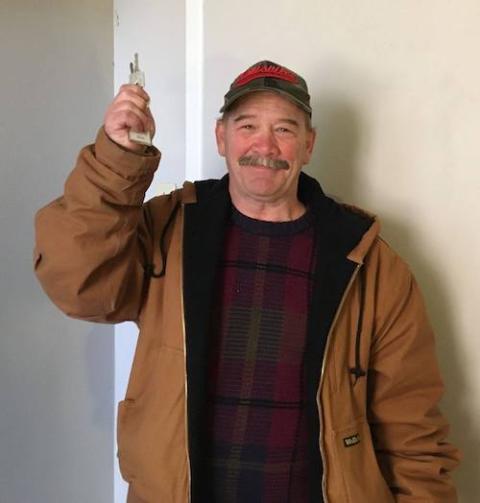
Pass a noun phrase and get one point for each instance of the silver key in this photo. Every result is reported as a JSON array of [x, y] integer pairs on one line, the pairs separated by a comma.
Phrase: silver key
[[137, 77]]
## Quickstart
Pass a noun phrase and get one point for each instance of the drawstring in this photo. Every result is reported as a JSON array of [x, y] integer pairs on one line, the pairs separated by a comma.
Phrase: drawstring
[[357, 371], [150, 268]]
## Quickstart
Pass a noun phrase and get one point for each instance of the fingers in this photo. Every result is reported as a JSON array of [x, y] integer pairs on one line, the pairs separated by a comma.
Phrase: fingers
[[129, 111], [134, 94], [120, 122], [151, 122], [128, 115]]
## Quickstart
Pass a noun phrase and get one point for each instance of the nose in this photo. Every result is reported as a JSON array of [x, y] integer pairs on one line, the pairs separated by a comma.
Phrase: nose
[[266, 144]]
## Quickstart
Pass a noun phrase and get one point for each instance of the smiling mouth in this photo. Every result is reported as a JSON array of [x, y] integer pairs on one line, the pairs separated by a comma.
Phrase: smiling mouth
[[250, 160]]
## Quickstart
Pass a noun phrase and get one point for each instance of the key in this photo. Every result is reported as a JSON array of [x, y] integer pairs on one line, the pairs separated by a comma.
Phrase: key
[[137, 77]]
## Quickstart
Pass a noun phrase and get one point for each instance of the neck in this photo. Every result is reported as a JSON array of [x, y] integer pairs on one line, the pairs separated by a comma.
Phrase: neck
[[272, 211]]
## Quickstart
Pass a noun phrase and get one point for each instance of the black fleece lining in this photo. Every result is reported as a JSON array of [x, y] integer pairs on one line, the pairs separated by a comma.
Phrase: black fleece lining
[[204, 226], [337, 232]]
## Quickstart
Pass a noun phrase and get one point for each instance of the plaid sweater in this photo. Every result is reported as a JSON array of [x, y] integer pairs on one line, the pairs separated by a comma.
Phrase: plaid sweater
[[258, 423]]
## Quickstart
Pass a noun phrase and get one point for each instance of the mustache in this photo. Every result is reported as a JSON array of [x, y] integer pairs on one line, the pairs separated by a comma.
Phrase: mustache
[[255, 160]]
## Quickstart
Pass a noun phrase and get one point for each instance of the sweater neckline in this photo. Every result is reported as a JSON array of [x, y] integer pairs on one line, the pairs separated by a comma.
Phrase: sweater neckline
[[267, 228]]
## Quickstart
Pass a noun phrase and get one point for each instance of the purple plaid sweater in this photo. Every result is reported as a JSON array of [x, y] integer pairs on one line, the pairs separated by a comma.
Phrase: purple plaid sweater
[[257, 415]]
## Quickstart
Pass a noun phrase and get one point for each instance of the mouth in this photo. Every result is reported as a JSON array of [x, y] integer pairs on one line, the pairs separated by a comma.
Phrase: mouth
[[265, 162]]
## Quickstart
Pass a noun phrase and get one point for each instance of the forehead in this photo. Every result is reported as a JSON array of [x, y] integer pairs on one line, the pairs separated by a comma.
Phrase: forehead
[[265, 102]]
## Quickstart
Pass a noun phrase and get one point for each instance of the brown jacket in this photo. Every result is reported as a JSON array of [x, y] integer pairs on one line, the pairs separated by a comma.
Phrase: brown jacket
[[102, 255]]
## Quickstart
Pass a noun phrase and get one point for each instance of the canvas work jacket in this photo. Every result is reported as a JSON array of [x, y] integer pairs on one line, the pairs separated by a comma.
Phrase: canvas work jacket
[[104, 255]]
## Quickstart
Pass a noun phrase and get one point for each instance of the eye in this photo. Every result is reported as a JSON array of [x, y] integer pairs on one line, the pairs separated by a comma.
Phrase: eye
[[283, 130]]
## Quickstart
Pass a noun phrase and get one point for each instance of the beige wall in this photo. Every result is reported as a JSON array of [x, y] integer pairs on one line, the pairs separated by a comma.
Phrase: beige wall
[[396, 98]]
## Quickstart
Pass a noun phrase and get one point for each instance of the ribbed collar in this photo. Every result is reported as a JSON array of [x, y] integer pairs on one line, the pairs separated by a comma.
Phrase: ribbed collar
[[266, 228]]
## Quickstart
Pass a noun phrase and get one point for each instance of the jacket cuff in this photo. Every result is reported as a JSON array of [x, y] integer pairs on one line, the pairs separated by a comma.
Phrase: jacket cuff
[[126, 163]]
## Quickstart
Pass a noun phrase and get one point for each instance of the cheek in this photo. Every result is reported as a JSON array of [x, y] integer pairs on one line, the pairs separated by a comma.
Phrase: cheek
[[292, 152], [237, 149]]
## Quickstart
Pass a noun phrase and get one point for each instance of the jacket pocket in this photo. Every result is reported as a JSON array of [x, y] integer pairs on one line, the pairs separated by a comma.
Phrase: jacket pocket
[[357, 463], [151, 432]]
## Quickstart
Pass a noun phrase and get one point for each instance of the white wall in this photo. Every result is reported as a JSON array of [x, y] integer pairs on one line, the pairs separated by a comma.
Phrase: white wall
[[396, 100], [56, 374]]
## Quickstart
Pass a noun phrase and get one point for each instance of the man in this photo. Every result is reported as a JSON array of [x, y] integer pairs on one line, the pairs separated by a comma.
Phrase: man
[[284, 352]]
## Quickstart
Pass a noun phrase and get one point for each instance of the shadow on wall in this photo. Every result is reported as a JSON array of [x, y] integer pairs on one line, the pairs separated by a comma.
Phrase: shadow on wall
[[340, 133]]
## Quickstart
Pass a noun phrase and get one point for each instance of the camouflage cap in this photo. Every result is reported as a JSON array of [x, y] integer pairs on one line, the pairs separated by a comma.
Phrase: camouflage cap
[[269, 76]]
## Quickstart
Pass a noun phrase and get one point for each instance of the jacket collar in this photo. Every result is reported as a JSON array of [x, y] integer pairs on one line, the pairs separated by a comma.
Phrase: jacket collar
[[341, 218]]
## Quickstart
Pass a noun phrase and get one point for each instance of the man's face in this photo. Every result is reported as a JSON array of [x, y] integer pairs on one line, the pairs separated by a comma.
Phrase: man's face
[[261, 128]]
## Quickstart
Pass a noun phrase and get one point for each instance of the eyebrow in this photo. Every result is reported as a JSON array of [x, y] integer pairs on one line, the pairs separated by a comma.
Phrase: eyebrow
[[293, 122], [242, 117]]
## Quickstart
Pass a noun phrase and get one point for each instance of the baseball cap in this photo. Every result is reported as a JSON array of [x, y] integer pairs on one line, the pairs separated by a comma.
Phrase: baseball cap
[[269, 76]]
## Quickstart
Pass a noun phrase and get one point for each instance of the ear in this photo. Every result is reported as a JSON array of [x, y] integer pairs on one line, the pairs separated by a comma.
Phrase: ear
[[309, 144], [220, 136]]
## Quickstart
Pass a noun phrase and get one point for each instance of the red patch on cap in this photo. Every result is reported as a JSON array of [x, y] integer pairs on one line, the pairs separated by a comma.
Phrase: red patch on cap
[[261, 71]]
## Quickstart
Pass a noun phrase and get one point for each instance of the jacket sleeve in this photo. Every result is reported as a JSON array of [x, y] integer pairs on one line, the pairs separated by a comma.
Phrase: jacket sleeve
[[404, 383], [91, 242]]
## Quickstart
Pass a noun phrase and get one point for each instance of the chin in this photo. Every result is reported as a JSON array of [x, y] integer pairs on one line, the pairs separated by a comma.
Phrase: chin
[[261, 190]]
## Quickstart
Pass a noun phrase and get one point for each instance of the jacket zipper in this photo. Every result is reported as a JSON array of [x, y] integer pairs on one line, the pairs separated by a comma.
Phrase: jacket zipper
[[332, 326], [189, 474]]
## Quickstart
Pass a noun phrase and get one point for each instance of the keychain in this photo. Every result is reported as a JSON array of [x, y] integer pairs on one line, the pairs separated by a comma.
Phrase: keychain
[[137, 77]]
